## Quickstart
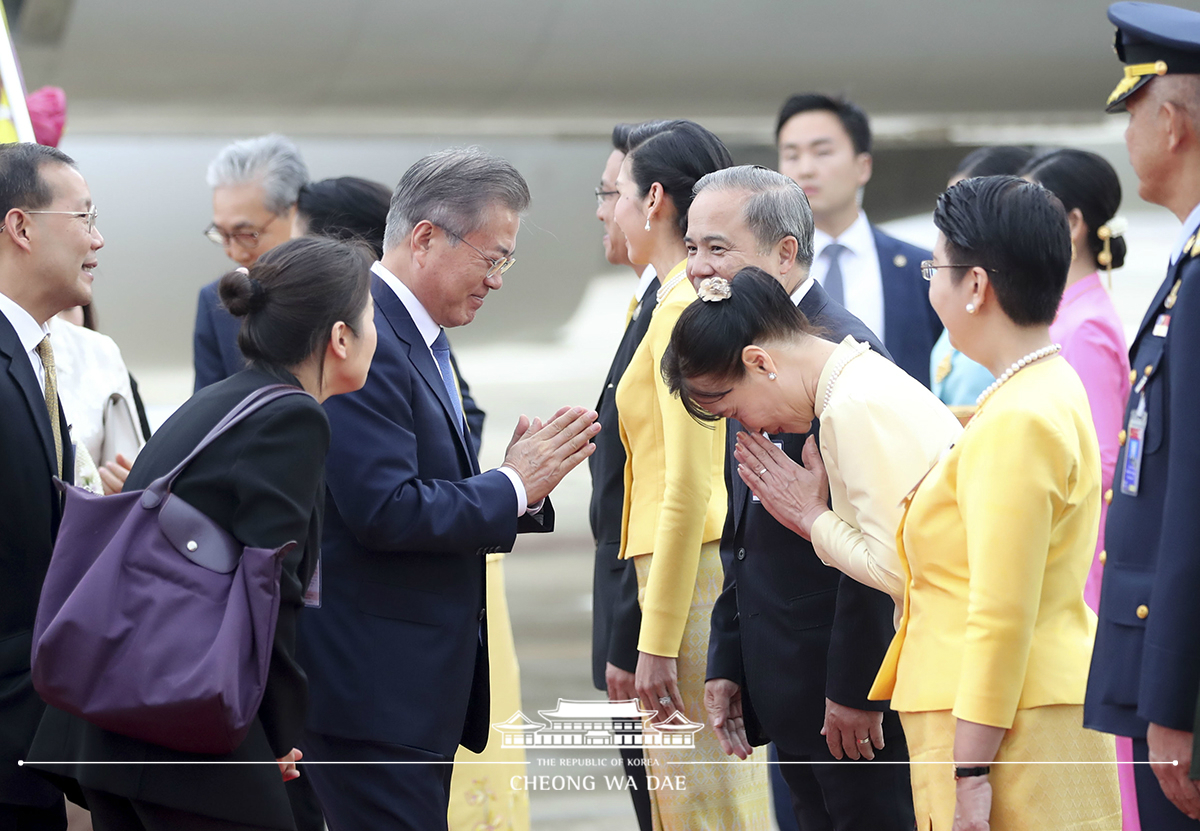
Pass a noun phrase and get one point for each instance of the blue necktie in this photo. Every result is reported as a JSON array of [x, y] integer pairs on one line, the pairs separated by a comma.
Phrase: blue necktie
[[833, 277], [441, 354]]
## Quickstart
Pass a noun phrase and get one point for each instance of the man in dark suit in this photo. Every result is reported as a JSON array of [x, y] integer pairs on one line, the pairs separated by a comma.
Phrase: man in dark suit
[[616, 617], [794, 645], [1145, 676], [48, 245], [396, 651], [825, 147]]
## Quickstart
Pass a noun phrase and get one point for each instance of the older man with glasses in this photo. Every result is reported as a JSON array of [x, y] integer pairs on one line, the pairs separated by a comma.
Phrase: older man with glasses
[[255, 184]]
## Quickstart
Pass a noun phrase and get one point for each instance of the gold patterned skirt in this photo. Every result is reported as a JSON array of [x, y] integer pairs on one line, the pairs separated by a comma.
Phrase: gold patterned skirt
[[719, 792], [1077, 792], [481, 795]]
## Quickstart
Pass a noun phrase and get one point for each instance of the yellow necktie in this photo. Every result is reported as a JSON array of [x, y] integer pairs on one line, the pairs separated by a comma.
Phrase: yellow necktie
[[47, 355], [633, 304]]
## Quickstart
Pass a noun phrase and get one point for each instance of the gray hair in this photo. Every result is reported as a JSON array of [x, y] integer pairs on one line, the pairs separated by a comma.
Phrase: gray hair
[[777, 206], [272, 161], [453, 189]]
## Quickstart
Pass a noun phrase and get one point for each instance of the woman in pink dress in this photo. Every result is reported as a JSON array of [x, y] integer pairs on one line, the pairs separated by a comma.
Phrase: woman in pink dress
[[1093, 340]]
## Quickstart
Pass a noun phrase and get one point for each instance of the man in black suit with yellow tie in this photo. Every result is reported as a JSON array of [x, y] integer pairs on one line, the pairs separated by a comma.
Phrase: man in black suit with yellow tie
[[794, 645], [48, 245], [616, 617]]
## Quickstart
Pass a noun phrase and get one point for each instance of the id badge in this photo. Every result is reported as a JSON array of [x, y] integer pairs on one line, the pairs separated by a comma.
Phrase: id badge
[[1131, 473], [754, 497], [312, 595]]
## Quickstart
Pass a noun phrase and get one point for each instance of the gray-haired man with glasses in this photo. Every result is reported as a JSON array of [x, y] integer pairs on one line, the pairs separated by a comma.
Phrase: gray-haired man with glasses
[[255, 185]]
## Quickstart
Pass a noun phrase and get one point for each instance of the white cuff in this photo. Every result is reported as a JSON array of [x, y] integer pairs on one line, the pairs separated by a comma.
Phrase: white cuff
[[518, 487]]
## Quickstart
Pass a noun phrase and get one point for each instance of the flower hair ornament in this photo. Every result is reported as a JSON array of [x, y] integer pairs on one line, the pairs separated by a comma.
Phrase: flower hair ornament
[[1115, 227], [714, 289]]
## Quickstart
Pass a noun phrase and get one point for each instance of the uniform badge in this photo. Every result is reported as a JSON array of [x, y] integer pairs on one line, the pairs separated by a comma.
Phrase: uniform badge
[[1160, 326], [899, 261]]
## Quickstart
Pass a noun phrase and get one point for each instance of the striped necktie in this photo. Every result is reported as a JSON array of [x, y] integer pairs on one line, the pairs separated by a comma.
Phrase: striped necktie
[[441, 353], [47, 355]]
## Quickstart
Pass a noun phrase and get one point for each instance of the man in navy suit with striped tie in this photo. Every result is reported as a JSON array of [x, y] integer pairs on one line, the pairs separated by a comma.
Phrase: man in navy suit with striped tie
[[395, 647]]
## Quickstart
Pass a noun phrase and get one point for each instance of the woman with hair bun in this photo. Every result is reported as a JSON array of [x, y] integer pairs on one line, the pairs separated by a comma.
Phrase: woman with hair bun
[[307, 322], [1093, 341], [675, 498]]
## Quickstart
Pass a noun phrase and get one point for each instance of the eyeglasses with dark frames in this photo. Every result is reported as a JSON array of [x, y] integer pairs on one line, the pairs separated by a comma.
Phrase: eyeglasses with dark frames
[[90, 214], [246, 239], [929, 266], [602, 194], [495, 267]]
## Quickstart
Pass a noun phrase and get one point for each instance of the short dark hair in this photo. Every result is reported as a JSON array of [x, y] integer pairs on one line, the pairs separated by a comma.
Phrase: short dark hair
[[1018, 231], [709, 337], [677, 157], [346, 208], [1001, 160], [292, 297], [21, 182], [625, 137], [1085, 181], [853, 119]]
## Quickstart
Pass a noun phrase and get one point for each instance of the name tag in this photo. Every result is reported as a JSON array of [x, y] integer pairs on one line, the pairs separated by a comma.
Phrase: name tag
[[312, 595], [1131, 473], [1160, 326], [753, 497]]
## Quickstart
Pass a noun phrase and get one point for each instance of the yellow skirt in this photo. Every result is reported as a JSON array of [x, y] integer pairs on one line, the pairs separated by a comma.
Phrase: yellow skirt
[[481, 797], [1078, 793], [719, 792]]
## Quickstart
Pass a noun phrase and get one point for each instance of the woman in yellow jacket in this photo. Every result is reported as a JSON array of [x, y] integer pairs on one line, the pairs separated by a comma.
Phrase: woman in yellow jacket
[[675, 502], [990, 659]]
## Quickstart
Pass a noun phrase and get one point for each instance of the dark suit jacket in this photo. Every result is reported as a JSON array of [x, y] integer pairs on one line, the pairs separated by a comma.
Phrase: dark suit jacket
[[616, 618], [1144, 668], [215, 355], [28, 524], [910, 325], [789, 629], [262, 482], [397, 652]]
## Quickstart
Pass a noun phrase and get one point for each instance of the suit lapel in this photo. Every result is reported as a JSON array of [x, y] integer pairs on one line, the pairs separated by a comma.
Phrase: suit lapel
[[1152, 310], [402, 324], [21, 372]]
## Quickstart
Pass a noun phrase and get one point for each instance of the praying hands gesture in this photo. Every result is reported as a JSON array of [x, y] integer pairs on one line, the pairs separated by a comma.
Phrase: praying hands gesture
[[794, 494]]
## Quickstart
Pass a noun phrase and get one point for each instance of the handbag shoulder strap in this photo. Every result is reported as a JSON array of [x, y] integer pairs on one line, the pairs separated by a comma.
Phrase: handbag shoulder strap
[[249, 405]]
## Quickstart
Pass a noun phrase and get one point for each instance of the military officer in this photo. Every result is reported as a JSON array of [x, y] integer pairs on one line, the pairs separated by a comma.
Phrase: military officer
[[1146, 666]]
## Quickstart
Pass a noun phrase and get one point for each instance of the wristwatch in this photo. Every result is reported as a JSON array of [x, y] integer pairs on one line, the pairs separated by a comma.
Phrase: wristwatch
[[966, 773]]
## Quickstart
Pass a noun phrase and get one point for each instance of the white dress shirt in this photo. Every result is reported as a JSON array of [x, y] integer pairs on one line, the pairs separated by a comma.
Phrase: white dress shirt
[[862, 280], [429, 330], [644, 282], [1189, 227], [802, 290], [29, 333]]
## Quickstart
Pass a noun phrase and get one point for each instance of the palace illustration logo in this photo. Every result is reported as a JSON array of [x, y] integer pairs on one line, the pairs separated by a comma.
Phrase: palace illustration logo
[[600, 723]]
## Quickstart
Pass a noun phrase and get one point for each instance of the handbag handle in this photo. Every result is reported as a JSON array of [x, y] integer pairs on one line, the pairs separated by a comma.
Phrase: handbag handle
[[252, 403]]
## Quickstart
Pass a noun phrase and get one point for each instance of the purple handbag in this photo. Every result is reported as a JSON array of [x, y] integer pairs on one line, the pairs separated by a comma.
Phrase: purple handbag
[[154, 622]]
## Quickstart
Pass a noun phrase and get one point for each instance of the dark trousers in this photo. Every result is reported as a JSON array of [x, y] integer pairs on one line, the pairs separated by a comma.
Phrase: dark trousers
[[398, 788], [1156, 812], [781, 794], [851, 796], [117, 813], [634, 762], [306, 808], [27, 818]]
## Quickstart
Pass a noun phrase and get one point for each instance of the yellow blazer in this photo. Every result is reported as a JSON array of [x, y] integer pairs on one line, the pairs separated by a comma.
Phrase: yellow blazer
[[674, 479], [996, 544]]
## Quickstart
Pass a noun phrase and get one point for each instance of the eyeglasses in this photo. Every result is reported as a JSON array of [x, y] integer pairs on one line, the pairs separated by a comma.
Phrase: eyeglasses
[[929, 266], [246, 239], [90, 214], [495, 267], [602, 194]]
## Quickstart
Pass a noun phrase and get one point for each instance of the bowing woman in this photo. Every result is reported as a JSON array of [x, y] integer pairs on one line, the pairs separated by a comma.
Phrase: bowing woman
[[307, 321], [675, 498]]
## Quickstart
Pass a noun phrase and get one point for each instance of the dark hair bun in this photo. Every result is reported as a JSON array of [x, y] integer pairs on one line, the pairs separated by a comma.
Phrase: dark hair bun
[[1117, 247], [241, 294]]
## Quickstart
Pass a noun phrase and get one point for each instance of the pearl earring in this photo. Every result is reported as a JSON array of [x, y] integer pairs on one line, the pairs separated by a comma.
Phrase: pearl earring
[[771, 376], [647, 223], [970, 308]]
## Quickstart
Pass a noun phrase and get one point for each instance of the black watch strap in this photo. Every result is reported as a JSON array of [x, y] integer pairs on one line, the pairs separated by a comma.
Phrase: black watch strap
[[966, 773]]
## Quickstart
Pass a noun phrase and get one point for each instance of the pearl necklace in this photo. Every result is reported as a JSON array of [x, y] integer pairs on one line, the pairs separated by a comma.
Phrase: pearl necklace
[[1037, 355], [859, 349], [672, 283]]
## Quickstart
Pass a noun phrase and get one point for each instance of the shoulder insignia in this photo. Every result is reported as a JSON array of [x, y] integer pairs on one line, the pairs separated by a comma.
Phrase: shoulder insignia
[[900, 261]]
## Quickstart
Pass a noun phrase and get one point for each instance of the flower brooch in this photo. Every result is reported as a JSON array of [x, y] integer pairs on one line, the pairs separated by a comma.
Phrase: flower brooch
[[714, 289]]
